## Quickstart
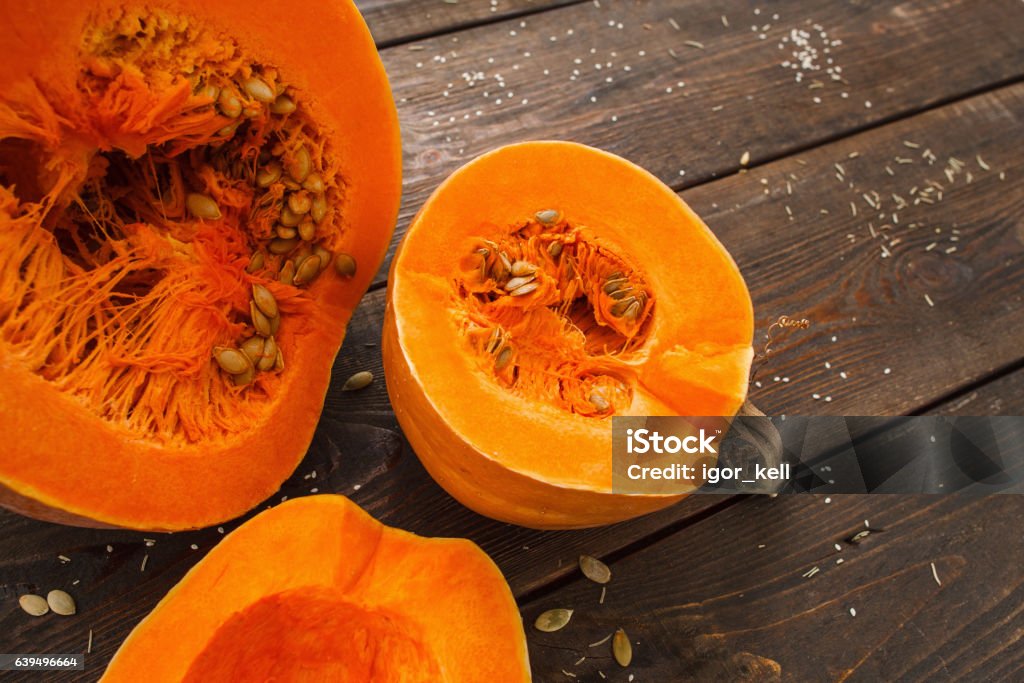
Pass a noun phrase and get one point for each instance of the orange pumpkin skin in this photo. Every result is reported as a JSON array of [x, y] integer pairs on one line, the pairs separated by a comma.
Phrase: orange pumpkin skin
[[316, 589], [63, 459], [504, 444]]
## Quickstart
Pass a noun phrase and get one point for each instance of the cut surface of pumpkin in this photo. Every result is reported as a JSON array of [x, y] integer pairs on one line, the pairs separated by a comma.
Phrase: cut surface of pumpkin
[[317, 590], [191, 205], [544, 288]]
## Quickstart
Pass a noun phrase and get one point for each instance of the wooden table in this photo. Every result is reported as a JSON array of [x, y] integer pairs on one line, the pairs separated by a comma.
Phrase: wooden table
[[885, 207]]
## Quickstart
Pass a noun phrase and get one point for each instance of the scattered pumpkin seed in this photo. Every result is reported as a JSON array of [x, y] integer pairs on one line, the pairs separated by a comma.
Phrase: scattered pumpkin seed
[[601, 404], [593, 568], [259, 90], [245, 377], [289, 218], [282, 105], [279, 363], [620, 307], [285, 232], [265, 300], [307, 229], [615, 285], [229, 105], [301, 164], [547, 216], [324, 254], [259, 321], [358, 381], [318, 209], [275, 324], [494, 341], [632, 311], [34, 604], [553, 620], [299, 203], [202, 206], [523, 268], [231, 361], [252, 348], [61, 603], [524, 289], [622, 649], [555, 249], [345, 265], [307, 271]]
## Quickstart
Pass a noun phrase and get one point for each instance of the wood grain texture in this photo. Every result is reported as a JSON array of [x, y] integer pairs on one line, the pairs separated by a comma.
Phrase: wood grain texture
[[396, 21], [726, 599], [563, 75]]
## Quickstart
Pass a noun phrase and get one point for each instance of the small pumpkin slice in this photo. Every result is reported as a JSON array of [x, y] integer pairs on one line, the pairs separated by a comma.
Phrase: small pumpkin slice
[[316, 589], [544, 288]]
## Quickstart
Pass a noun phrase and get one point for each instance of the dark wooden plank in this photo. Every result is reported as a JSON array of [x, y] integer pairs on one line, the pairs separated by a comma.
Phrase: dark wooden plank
[[1004, 396], [396, 21], [794, 268], [517, 80], [727, 598]]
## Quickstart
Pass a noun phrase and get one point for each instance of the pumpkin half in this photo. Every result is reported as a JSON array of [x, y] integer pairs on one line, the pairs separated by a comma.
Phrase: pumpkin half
[[317, 590], [542, 289], [194, 195]]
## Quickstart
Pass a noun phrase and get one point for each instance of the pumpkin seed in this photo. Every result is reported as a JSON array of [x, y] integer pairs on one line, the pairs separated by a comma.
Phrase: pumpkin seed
[[521, 268], [291, 184], [555, 249], [517, 282], [599, 402], [553, 620], [325, 256], [251, 110], [593, 568], [34, 604], [256, 262], [282, 105], [244, 378], [345, 265], [275, 324], [314, 182], [284, 232], [307, 229], [259, 90], [620, 307], [281, 246], [318, 208], [61, 603], [358, 381], [265, 300], [268, 356], [307, 271], [279, 363], [287, 273], [547, 216], [503, 359], [209, 92], [229, 105], [289, 218], [299, 203], [300, 165], [202, 206], [632, 311], [524, 289], [494, 341], [621, 294], [622, 649], [231, 361], [252, 348], [269, 174], [615, 285], [259, 321]]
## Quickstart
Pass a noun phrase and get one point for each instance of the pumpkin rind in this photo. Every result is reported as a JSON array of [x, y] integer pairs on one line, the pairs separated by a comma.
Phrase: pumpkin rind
[[514, 453], [316, 582], [63, 462]]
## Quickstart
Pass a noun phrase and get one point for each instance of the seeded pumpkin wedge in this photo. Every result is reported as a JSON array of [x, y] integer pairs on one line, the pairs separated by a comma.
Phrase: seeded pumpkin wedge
[[194, 196], [317, 590], [544, 288]]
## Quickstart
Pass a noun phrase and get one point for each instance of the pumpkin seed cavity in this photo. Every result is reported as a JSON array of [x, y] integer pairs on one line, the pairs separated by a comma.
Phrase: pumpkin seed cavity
[[554, 312], [134, 276]]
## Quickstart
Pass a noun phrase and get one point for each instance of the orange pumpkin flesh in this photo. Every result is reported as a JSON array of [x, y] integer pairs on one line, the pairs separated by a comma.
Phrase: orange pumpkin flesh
[[315, 589], [634, 309], [149, 159]]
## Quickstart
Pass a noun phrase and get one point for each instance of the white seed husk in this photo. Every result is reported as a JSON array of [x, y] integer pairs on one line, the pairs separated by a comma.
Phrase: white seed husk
[[553, 620], [594, 569], [61, 603]]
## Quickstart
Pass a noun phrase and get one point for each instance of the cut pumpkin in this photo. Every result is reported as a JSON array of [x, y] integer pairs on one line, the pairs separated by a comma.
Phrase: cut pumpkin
[[317, 590], [544, 288], [193, 199]]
